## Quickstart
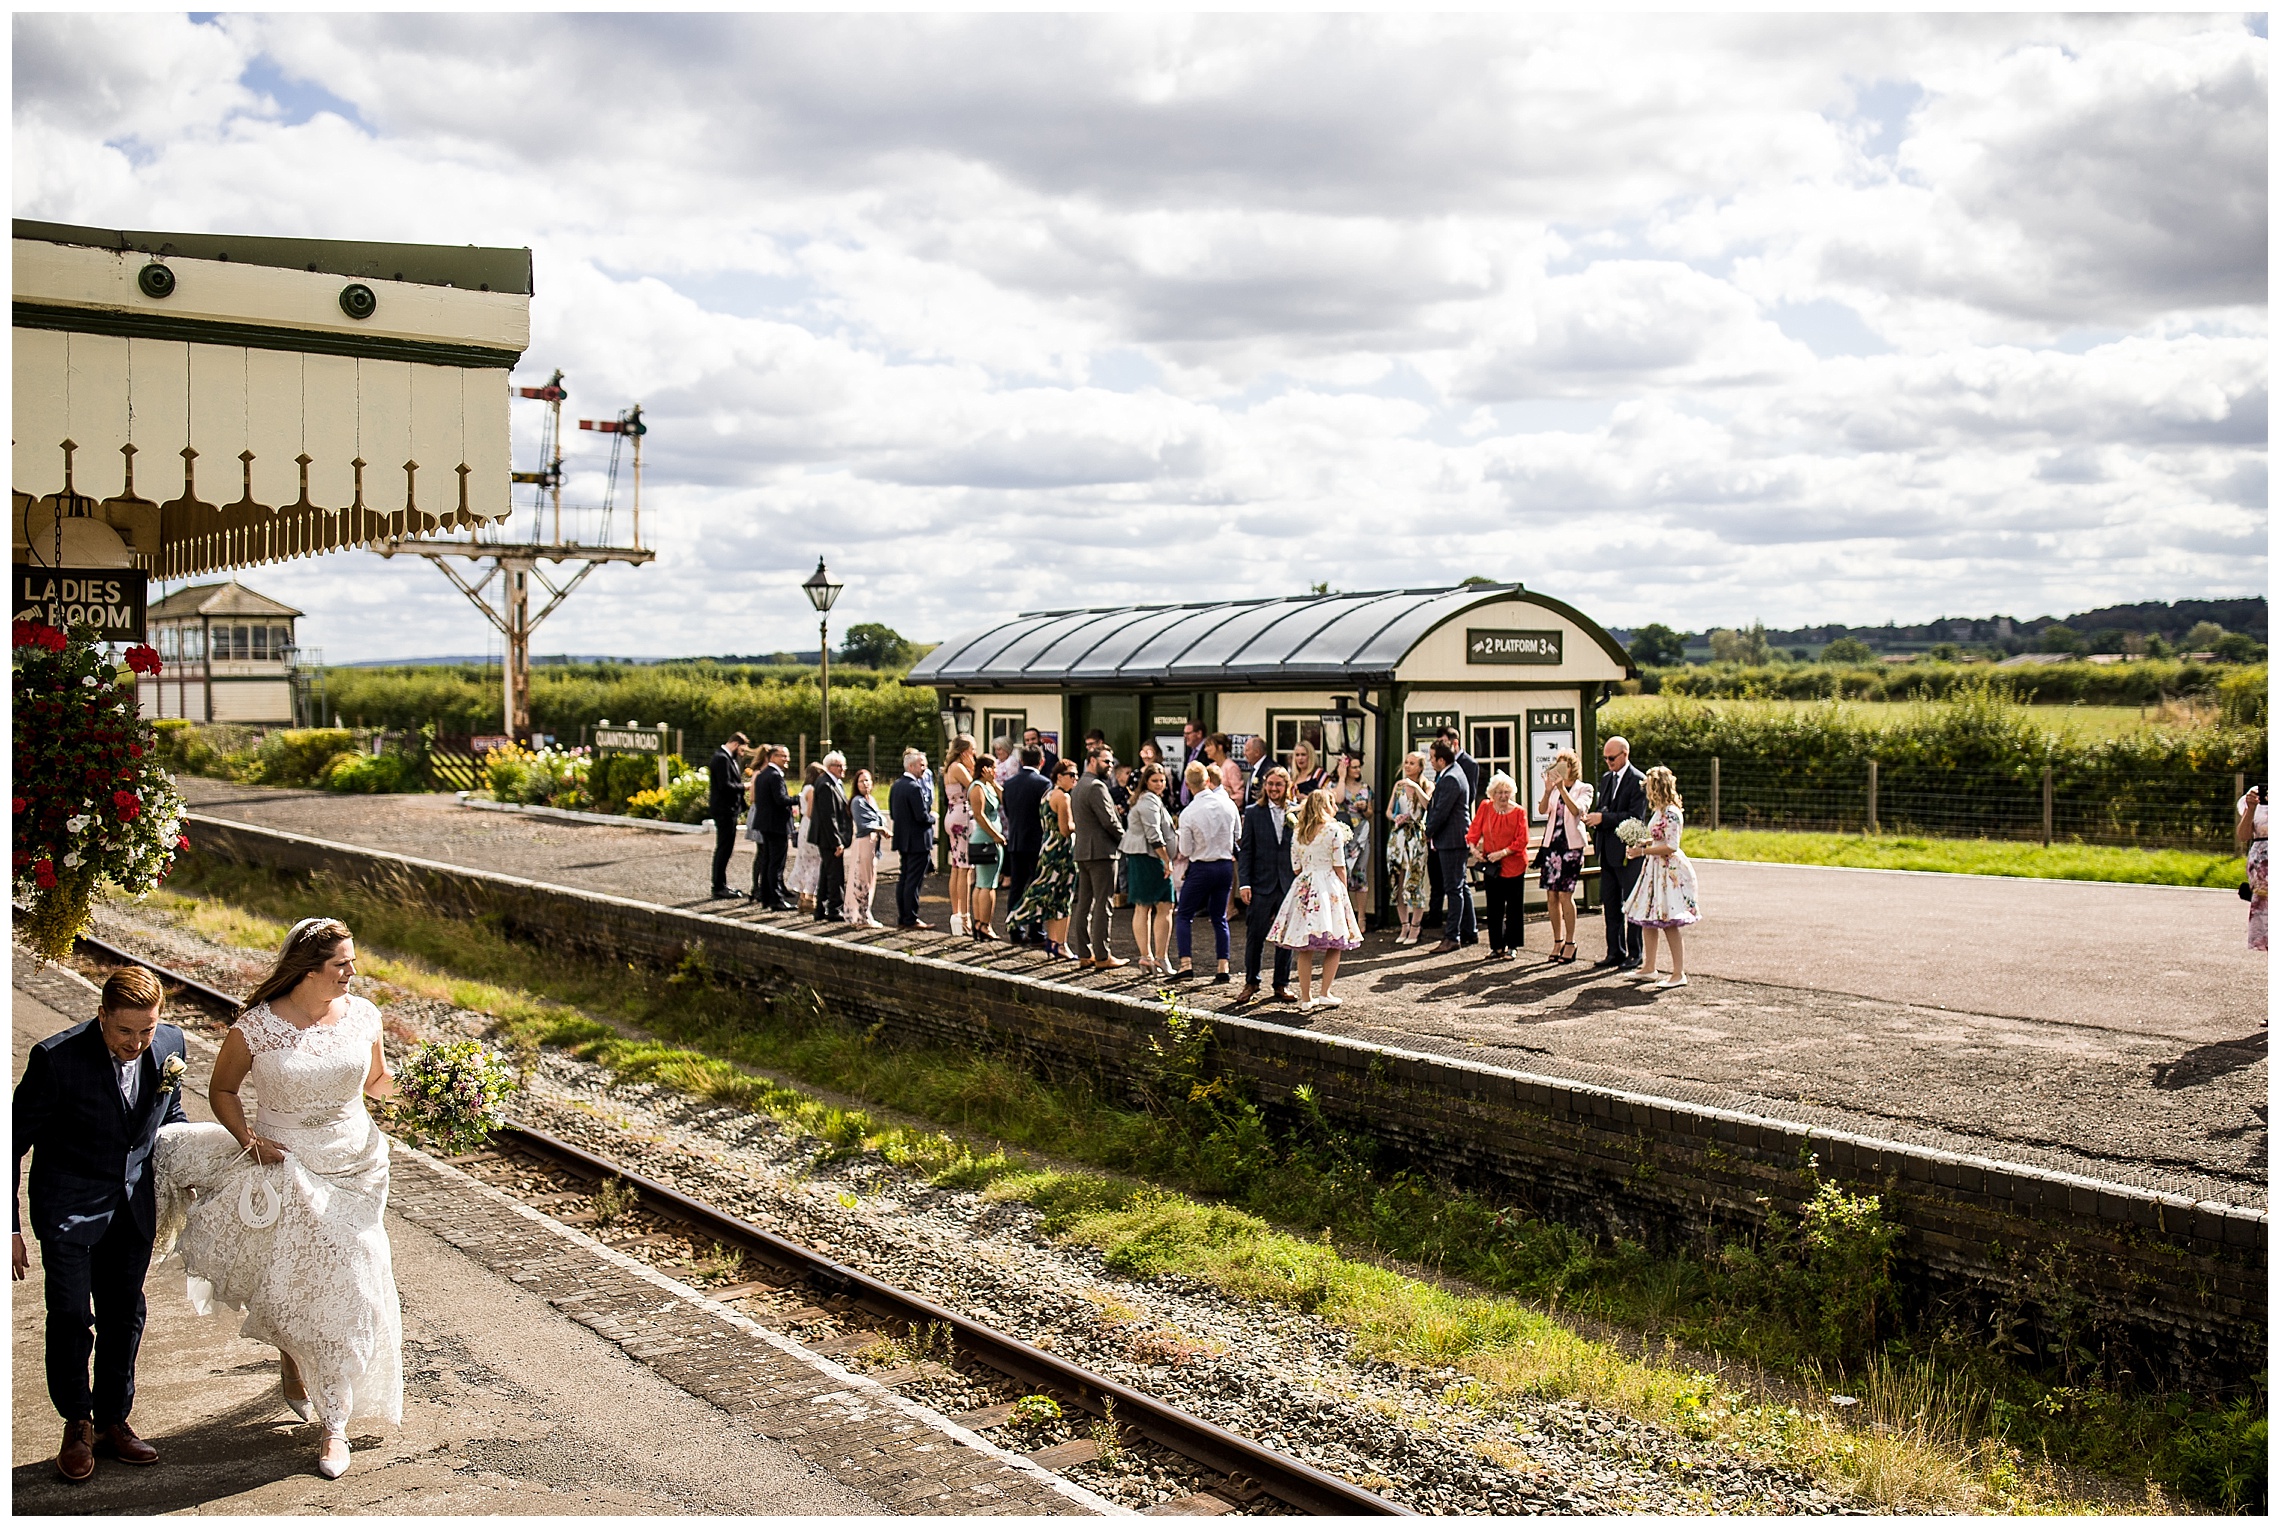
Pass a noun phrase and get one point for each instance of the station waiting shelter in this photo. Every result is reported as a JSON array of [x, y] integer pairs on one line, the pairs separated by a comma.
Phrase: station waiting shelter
[[1519, 674]]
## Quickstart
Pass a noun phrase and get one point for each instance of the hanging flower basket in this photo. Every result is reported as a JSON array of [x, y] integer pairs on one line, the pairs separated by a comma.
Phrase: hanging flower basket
[[90, 805]]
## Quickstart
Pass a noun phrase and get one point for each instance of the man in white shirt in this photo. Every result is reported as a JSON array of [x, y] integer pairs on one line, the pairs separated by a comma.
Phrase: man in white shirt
[[1209, 828]]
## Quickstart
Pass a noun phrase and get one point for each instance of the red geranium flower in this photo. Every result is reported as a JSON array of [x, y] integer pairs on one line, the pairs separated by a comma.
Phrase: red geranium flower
[[134, 750], [143, 659], [20, 803], [43, 871], [129, 806]]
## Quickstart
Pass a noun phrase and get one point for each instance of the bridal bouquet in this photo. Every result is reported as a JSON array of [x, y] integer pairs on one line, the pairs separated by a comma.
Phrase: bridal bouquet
[[452, 1094], [1633, 832]]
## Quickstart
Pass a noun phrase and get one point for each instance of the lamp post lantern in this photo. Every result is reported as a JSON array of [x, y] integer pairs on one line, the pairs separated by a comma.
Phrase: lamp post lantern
[[823, 593]]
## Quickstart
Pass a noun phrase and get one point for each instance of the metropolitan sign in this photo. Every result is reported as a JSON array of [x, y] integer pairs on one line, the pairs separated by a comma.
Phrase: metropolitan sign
[[107, 602]]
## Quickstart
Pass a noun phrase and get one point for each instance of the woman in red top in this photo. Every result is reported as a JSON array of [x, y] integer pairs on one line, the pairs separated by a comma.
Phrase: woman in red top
[[1499, 839]]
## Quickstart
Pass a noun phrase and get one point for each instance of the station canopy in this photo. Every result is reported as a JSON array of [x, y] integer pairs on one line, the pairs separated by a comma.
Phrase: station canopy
[[1323, 640], [186, 403]]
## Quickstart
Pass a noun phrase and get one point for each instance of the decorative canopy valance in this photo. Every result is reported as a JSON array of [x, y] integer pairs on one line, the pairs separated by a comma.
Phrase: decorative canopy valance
[[192, 403]]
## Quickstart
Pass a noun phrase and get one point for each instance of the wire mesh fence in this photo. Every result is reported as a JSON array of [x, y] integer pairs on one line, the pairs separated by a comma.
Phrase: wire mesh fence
[[2181, 810]]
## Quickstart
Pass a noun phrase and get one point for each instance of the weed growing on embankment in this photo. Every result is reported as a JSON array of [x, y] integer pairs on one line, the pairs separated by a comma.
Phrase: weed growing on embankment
[[1198, 1180]]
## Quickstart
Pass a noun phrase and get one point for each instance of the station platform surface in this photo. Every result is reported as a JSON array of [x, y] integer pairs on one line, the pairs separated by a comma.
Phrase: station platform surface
[[510, 1406], [2111, 1030]]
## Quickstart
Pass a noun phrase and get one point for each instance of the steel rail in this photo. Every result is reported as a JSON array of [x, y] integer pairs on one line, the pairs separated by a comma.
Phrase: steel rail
[[1246, 1464]]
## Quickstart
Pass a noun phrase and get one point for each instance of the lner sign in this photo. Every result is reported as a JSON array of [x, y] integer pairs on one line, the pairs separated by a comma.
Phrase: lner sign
[[1483, 645], [107, 603]]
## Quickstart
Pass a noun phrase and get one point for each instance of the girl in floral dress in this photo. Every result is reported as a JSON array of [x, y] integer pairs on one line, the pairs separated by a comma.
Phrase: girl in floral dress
[[1317, 914], [1664, 898]]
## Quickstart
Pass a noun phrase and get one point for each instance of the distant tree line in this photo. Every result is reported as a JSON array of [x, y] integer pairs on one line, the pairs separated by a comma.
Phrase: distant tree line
[[2229, 631]]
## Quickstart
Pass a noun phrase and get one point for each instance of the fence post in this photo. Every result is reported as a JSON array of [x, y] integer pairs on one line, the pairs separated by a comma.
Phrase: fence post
[[2240, 789], [1714, 792], [1872, 795], [803, 755], [681, 744], [2046, 806], [874, 737]]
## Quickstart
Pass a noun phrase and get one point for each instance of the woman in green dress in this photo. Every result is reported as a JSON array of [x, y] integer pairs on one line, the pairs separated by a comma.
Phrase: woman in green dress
[[1050, 897]]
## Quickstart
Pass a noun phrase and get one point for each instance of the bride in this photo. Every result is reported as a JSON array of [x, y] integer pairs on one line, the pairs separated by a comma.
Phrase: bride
[[282, 1219]]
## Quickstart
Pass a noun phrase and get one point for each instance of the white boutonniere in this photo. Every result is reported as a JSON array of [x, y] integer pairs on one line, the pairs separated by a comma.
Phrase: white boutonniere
[[170, 1074]]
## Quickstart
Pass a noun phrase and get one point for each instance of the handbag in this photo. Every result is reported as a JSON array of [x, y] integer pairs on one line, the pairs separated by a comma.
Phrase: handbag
[[982, 852]]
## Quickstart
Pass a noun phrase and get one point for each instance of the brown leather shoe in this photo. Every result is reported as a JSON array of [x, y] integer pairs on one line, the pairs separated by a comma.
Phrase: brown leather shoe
[[118, 1441], [1444, 947], [1249, 993], [76, 1460], [1280, 996]]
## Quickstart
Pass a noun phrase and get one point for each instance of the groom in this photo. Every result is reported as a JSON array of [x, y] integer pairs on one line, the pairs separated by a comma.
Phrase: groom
[[88, 1109]]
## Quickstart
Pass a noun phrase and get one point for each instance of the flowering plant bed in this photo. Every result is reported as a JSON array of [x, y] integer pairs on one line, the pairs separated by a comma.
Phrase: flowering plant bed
[[451, 1094], [90, 803]]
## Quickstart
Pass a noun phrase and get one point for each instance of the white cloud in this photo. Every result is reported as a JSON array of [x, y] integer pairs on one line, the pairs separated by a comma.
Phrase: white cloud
[[1689, 319]]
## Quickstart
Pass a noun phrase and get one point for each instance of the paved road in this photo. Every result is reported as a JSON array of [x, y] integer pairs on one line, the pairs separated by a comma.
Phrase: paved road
[[508, 1408], [2115, 1031]]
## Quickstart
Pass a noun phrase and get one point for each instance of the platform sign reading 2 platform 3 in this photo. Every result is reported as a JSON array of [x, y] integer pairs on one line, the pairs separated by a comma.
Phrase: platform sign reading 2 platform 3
[[107, 603], [1487, 645]]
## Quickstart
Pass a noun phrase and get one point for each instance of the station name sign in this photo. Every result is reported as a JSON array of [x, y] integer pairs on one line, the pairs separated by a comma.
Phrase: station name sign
[[629, 740], [108, 603], [1486, 645]]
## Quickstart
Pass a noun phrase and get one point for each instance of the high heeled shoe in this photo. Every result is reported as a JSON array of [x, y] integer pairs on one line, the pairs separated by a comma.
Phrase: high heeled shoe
[[332, 1459]]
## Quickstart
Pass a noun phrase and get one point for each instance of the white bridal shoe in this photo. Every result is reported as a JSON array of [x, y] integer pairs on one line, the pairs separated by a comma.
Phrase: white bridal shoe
[[332, 1460]]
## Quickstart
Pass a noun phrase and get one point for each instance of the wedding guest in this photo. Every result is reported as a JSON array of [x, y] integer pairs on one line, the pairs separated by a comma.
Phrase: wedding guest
[[1354, 801], [985, 849], [1622, 794], [1499, 840], [771, 830], [1045, 903], [1317, 916], [725, 796], [2252, 824], [1099, 829], [870, 831], [1263, 876], [806, 874], [1219, 753], [1406, 853], [834, 833], [910, 807], [1048, 761], [1566, 798], [958, 826], [1465, 762], [1209, 826], [1023, 794], [1664, 899], [1306, 772], [1147, 851], [1192, 735], [1447, 820], [1254, 755]]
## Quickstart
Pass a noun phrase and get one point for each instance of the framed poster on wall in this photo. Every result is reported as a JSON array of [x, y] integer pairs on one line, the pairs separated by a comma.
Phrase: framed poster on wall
[[1549, 731]]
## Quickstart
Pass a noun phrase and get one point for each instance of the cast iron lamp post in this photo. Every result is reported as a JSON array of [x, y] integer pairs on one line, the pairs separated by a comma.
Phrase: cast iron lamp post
[[822, 593]]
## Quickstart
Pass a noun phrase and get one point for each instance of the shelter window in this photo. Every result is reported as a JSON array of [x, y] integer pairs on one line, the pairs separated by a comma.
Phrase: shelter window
[[1286, 728], [169, 642], [261, 642], [1008, 725], [1492, 745]]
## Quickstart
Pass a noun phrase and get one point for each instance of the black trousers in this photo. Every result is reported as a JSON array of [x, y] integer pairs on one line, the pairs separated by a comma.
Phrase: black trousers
[[1019, 870], [1461, 923], [1507, 895], [768, 870], [1258, 917], [1435, 894], [1616, 878], [95, 1305], [914, 863], [831, 886], [724, 845]]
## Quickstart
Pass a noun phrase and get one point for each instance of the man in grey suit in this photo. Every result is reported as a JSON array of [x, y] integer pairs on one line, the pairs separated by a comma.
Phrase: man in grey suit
[[1098, 831], [1447, 819]]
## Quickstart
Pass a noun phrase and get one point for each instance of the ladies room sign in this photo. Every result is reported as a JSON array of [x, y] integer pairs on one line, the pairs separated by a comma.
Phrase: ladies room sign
[[108, 602]]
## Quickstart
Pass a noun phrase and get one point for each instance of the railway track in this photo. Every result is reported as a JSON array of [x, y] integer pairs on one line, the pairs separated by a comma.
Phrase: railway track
[[1230, 1472]]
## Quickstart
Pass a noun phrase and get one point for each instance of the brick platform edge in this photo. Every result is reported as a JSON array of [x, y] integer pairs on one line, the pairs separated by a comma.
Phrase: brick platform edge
[[2182, 1285]]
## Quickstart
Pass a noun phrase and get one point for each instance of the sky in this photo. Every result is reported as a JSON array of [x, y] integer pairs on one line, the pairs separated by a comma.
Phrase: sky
[[1686, 319]]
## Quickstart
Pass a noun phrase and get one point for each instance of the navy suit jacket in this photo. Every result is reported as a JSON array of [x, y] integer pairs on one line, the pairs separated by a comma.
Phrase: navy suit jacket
[[725, 787], [1450, 814], [771, 803], [90, 1152], [1262, 860], [1023, 795], [912, 812]]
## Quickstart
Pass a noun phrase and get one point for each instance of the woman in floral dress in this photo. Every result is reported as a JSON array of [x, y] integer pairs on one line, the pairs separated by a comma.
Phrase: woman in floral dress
[[2249, 830], [1664, 899], [807, 860], [1354, 801], [1317, 915], [1405, 849], [958, 827], [1049, 897]]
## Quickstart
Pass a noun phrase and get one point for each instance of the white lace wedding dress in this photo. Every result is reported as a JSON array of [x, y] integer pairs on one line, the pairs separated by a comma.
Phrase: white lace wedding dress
[[297, 1245]]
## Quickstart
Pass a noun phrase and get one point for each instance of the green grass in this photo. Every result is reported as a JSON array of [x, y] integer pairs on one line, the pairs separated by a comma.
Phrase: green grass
[[2083, 723], [1971, 856], [1294, 1213]]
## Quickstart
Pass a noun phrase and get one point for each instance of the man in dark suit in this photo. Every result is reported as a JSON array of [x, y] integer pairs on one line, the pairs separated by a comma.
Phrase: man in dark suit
[[910, 808], [1622, 794], [1021, 797], [1447, 819], [89, 1109], [726, 798], [772, 819], [1465, 762], [1471, 766], [833, 832], [1263, 876], [1048, 762]]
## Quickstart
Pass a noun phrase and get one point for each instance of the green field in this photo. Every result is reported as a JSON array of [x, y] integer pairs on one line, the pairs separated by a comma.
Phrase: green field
[[1971, 856], [2087, 724]]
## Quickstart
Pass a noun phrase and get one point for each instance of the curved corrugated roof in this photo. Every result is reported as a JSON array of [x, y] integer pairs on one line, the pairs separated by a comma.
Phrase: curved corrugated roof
[[1313, 639]]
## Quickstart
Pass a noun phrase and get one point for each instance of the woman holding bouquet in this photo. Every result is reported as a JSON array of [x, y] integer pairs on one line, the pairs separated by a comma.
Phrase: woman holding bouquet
[[281, 1218], [1664, 900]]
